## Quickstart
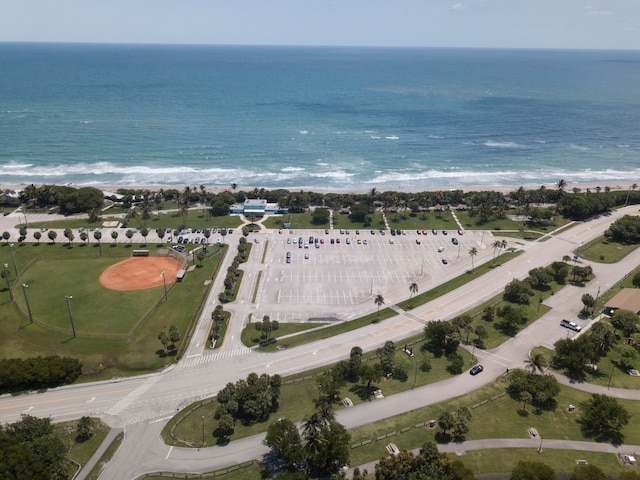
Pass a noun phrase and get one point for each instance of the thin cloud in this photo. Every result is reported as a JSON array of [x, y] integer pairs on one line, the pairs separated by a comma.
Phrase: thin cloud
[[594, 12], [456, 7]]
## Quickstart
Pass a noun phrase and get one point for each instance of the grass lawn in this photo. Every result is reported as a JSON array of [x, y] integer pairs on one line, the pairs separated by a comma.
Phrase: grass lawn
[[602, 251], [503, 460], [81, 452], [330, 331], [248, 471], [441, 220], [102, 356], [195, 218], [250, 336]]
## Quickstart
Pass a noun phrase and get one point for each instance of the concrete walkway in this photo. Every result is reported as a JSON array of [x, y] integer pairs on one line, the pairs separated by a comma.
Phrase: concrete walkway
[[108, 440]]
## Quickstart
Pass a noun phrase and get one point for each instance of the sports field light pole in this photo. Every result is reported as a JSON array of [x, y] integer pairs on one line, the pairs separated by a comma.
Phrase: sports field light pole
[[5, 274], [26, 299], [15, 267], [164, 280], [73, 327]]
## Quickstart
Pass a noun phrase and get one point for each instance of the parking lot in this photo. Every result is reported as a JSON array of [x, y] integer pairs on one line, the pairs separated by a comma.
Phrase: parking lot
[[338, 278]]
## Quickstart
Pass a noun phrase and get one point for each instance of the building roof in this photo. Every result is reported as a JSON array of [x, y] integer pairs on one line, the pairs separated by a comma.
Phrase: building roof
[[627, 299]]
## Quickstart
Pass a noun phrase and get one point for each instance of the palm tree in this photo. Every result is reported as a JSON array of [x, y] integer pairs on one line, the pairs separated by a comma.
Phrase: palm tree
[[632, 187], [378, 300], [413, 288], [536, 362], [472, 253], [496, 245], [98, 235]]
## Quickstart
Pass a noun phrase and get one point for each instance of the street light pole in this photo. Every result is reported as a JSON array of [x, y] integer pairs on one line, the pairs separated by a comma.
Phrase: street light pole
[[26, 299], [73, 327], [15, 267], [595, 303], [5, 274], [610, 377], [203, 430], [164, 280], [540, 447]]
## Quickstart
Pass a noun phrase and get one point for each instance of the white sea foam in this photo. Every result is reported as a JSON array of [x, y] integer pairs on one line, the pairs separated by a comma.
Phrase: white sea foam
[[580, 148], [490, 143], [392, 137], [292, 169], [303, 132]]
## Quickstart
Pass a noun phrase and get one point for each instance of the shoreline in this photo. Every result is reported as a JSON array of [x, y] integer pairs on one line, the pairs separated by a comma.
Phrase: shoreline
[[505, 189]]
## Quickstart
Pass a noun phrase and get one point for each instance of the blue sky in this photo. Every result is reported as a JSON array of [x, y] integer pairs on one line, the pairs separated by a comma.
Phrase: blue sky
[[599, 24]]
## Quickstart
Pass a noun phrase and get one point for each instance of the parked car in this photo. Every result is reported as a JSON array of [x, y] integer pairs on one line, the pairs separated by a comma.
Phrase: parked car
[[454, 241], [570, 325], [444, 261]]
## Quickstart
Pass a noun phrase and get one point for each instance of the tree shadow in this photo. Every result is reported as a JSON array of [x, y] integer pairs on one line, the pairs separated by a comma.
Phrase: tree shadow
[[362, 391]]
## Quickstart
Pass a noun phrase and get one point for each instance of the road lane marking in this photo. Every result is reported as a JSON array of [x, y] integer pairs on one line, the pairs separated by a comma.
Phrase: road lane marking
[[65, 399]]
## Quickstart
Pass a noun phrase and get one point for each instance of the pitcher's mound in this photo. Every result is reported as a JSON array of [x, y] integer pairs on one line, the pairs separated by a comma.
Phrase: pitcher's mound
[[136, 273]]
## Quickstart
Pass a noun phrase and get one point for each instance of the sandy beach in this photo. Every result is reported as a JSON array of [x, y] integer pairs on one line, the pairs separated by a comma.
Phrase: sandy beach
[[218, 189]]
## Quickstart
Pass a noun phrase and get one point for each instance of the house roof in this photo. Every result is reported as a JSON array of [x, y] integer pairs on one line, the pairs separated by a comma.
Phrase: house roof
[[627, 299]]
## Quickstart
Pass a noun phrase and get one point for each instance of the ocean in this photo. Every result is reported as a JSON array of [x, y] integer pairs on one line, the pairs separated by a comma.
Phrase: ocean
[[316, 118]]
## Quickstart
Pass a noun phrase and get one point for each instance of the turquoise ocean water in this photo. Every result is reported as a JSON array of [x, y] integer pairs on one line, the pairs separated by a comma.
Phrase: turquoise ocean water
[[317, 118]]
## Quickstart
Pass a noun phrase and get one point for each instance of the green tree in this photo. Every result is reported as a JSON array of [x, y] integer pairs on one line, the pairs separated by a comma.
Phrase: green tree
[[84, 428], [413, 289], [625, 320], [6, 236], [472, 253], [37, 235], [446, 422], [320, 216], [603, 418], [226, 427], [440, 338], [456, 363], [129, 235], [517, 291], [31, 449], [589, 303], [52, 234], [379, 301], [588, 472], [164, 340], [284, 441], [68, 233], [174, 335], [144, 231], [98, 236], [386, 355], [114, 235], [532, 470], [369, 374], [536, 363]]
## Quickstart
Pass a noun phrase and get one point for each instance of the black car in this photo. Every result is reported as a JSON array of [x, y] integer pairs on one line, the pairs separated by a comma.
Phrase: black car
[[454, 241], [476, 370]]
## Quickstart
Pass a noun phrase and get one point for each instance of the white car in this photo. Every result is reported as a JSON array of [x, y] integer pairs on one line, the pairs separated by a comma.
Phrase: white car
[[440, 249]]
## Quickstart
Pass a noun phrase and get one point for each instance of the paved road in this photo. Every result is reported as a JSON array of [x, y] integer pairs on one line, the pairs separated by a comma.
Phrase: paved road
[[141, 405]]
